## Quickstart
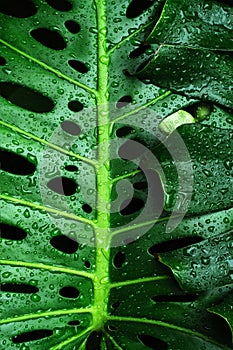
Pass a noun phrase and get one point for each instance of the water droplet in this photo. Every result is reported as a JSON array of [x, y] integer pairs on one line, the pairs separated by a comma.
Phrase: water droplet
[[105, 59], [205, 260], [104, 280], [27, 214], [36, 298], [6, 274]]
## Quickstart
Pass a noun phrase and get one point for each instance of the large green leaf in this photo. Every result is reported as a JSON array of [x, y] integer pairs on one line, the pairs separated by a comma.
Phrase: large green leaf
[[101, 172], [187, 60]]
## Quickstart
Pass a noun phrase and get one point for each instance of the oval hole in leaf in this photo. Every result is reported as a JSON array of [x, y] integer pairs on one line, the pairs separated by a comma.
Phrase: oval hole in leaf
[[64, 244], [116, 305], [75, 106], [130, 207], [94, 341], [12, 232], [32, 335], [119, 259], [2, 61], [71, 168], [139, 51], [72, 26], [78, 66], [74, 323], [225, 2], [131, 150], [15, 164], [175, 298], [174, 244], [137, 7], [18, 288], [87, 208], [49, 38], [62, 185], [124, 131], [152, 342], [87, 264], [18, 9], [25, 97], [71, 127], [60, 5], [200, 110], [140, 185], [124, 101], [69, 292]]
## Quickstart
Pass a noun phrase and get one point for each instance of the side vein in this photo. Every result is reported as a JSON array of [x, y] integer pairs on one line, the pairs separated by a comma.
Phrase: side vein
[[44, 65], [70, 340], [47, 209], [162, 324], [51, 145], [27, 317], [136, 110], [140, 280], [47, 267]]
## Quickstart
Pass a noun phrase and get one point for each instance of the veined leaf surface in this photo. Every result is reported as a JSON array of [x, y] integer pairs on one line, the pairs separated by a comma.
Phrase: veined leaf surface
[[101, 172]]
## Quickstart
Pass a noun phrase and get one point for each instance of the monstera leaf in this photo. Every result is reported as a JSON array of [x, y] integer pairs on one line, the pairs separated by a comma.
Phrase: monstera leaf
[[116, 193]]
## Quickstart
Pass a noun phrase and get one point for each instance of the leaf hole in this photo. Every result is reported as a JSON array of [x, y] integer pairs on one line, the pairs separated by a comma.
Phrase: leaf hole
[[49, 38], [2, 61], [78, 66], [74, 323], [25, 97], [18, 9], [72, 26], [75, 106], [62, 185], [94, 341], [60, 5], [174, 244], [137, 7], [124, 101], [175, 298], [87, 264], [225, 2], [12, 232], [18, 288], [142, 185], [200, 110], [127, 73], [32, 336], [139, 51], [152, 342], [124, 131], [64, 244], [87, 208], [71, 168], [129, 207], [119, 259], [16, 164], [71, 127], [69, 292], [131, 150], [116, 305]]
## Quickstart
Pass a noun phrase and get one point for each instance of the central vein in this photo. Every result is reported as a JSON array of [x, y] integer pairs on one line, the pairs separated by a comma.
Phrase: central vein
[[101, 281]]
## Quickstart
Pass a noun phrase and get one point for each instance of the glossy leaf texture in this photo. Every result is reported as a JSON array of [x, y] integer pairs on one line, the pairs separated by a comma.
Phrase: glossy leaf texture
[[106, 173]]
